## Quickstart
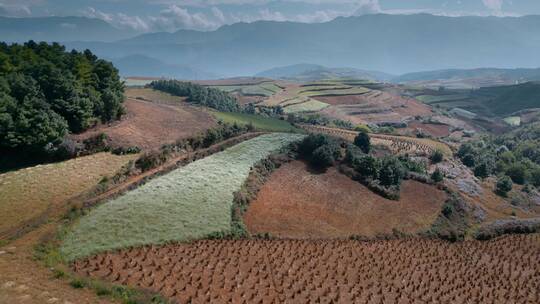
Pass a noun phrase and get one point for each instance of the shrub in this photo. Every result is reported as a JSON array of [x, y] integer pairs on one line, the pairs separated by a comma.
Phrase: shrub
[[367, 166], [482, 170], [468, 160], [436, 157], [363, 142], [310, 143], [504, 185], [437, 176], [517, 172], [325, 156], [391, 172], [535, 177]]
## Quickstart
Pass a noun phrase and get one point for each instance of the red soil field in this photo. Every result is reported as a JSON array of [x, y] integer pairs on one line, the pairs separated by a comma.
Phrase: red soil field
[[503, 270], [435, 130], [149, 125], [295, 203], [375, 106]]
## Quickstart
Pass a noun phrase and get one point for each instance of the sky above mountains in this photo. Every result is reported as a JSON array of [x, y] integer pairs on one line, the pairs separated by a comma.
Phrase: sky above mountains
[[171, 15]]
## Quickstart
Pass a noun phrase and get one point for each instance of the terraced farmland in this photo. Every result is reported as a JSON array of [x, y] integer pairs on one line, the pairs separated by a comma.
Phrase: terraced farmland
[[28, 195], [188, 203], [336, 91], [503, 270], [310, 105], [257, 89]]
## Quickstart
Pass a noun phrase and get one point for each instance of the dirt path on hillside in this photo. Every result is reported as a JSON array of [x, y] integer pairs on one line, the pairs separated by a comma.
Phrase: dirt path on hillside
[[23, 279]]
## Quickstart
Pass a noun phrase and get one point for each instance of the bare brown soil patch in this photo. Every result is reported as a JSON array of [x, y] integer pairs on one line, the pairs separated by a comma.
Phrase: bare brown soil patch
[[296, 203], [373, 107], [150, 125], [342, 100], [24, 280], [503, 270], [435, 130]]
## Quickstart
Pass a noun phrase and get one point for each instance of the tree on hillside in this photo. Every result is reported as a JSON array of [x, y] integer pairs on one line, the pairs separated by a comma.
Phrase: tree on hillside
[[504, 185], [391, 172], [362, 141]]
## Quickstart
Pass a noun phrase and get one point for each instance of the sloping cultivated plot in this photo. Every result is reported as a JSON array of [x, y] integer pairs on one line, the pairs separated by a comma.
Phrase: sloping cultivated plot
[[337, 91], [27, 194], [296, 203], [310, 105], [188, 203], [259, 122], [503, 270], [397, 144], [150, 125]]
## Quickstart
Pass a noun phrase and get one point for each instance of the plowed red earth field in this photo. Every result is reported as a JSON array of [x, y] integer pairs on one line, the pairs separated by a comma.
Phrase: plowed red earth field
[[504, 270], [149, 125], [434, 130], [375, 106], [296, 203]]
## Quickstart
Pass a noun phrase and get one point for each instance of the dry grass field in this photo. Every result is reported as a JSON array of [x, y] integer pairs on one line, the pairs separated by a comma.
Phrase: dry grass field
[[503, 270], [27, 195], [297, 203]]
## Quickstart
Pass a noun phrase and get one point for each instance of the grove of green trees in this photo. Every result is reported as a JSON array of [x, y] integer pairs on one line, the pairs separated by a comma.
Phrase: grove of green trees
[[198, 94], [515, 155], [46, 93]]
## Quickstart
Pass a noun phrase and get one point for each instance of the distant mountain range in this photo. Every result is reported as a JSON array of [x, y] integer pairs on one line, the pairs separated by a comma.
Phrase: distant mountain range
[[396, 44]]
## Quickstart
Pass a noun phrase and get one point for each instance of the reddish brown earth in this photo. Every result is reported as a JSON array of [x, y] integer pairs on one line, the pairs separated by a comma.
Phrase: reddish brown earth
[[23, 280], [435, 130], [503, 270], [244, 100], [296, 203], [373, 107], [149, 125]]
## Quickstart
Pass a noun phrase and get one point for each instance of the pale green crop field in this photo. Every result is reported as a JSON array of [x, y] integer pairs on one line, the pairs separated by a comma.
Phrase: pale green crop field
[[186, 204], [514, 121], [263, 89], [337, 92], [308, 106]]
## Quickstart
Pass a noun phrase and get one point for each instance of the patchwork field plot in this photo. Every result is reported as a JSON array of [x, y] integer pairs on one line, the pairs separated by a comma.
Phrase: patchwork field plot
[[257, 89], [336, 91], [503, 270], [27, 194], [374, 106], [259, 122], [296, 203], [398, 144], [310, 105], [150, 125], [188, 203]]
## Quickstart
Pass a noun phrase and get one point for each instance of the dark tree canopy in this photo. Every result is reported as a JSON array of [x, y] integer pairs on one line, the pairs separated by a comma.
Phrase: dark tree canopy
[[46, 92], [198, 94], [363, 142]]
